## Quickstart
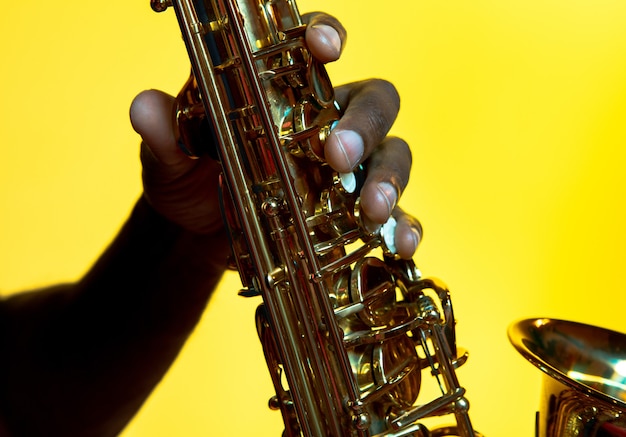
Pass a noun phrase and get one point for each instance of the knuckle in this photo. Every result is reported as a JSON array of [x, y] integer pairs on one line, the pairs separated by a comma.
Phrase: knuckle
[[380, 103], [388, 92], [403, 149], [395, 161]]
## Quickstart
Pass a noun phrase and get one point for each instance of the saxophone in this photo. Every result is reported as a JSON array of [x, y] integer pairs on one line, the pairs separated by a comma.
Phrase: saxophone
[[346, 327]]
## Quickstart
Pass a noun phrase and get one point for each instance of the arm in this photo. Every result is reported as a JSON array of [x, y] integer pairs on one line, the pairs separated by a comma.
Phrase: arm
[[85, 356]]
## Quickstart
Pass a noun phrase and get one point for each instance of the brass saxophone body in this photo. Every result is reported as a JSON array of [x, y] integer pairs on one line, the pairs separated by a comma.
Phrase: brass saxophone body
[[346, 333], [584, 385]]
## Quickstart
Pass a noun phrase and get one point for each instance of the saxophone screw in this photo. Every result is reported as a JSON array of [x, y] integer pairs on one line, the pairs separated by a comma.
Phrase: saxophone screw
[[274, 403], [461, 405], [160, 5], [271, 206], [361, 421]]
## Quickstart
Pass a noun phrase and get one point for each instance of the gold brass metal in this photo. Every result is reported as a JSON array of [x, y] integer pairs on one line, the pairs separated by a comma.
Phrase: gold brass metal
[[346, 333], [584, 384]]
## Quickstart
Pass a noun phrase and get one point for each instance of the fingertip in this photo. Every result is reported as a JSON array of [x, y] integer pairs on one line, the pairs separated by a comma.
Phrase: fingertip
[[151, 117], [378, 201], [138, 108], [149, 109], [408, 239], [324, 41]]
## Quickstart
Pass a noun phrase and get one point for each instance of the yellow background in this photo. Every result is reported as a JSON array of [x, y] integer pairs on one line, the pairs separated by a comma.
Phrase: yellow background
[[515, 113]]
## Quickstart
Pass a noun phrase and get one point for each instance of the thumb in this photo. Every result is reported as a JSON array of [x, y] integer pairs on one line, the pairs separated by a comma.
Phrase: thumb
[[151, 115]]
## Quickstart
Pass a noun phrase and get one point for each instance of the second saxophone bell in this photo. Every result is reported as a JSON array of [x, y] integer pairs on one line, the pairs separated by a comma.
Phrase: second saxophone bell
[[584, 386]]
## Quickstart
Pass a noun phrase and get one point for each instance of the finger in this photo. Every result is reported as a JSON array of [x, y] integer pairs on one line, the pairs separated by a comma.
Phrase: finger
[[181, 189], [371, 108], [408, 234], [325, 36], [151, 117], [388, 170]]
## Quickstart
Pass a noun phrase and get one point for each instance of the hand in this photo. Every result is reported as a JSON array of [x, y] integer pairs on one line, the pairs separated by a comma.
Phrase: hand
[[370, 108], [185, 190]]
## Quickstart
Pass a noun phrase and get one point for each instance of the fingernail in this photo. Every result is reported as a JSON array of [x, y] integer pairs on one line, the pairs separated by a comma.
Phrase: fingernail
[[329, 37], [389, 194], [416, 238], [350, 147]]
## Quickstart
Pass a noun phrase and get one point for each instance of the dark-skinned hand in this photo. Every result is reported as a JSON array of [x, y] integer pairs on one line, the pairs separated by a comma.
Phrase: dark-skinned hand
[[185, 190]]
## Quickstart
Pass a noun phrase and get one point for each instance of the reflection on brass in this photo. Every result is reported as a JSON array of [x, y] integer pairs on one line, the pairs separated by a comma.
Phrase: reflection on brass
[[584, 384], [347, 327]]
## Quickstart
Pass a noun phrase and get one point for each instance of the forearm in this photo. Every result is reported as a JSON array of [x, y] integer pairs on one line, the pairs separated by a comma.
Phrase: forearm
[[82, 358]]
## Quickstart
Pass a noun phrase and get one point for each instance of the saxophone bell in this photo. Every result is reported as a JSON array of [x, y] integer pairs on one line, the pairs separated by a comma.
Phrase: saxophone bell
[[584, 384]]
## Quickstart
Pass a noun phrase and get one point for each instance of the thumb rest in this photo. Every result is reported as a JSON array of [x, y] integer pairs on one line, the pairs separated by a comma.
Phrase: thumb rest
[[584, 384], [346, 334]]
